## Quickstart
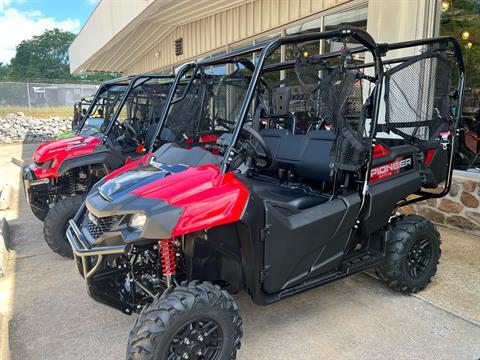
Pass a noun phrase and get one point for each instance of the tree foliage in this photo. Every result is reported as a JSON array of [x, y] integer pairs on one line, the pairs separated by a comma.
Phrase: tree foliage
[[45, 57], [464, 15]]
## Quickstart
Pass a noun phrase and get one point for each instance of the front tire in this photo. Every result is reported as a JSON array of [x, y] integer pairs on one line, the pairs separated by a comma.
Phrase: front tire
[[191, 321], [56, 223], [40, 214], [413, 253]]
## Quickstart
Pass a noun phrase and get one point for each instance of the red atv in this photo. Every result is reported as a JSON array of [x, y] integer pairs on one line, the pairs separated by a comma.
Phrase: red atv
[[305, 192], [64, 170]]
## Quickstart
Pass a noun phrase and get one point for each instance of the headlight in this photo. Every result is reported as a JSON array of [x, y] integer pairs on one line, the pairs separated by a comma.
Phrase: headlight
[[45, 165], [137, 221]]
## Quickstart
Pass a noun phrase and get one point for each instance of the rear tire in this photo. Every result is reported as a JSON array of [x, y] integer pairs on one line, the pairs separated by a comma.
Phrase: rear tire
[[189, 321], [413, 253], [56, 224]]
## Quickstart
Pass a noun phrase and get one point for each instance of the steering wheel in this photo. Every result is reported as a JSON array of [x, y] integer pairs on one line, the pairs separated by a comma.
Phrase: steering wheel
[[129, 128], [265, 155]]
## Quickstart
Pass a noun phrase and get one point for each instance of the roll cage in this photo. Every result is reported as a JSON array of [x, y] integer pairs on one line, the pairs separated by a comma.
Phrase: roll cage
[[194, 67], [442, 44], [133, 82], [380, 66], [105, 86]]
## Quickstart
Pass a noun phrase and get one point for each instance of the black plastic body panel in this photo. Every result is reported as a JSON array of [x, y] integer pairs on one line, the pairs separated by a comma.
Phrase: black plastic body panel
[[215, 256], [313, 238], [436, 171], [382, 198], [107, 157]]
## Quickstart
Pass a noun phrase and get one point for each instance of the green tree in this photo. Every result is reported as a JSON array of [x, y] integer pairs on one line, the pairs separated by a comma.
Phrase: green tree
[[43, 56], [4, 70], [464, 15]]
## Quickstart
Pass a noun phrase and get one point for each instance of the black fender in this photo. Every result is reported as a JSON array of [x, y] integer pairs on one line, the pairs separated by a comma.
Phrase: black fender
[[105, 158]]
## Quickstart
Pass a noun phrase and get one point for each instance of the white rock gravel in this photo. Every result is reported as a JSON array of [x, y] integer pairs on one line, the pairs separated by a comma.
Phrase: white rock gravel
[[16, 128]]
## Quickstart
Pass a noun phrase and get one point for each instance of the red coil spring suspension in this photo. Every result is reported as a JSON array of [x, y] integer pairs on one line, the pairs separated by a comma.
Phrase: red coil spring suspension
[[167, 256]]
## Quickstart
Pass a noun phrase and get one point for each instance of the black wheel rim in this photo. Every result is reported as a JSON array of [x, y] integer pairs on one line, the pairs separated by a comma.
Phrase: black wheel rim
[[419, 257], [200, 340]]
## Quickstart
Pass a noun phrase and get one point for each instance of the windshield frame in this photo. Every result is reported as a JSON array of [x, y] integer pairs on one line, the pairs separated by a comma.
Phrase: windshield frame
[[134, 82], [102, 88], [230, 58]]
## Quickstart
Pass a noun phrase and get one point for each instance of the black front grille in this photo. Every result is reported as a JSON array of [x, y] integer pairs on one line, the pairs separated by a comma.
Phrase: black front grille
[[98, 226]]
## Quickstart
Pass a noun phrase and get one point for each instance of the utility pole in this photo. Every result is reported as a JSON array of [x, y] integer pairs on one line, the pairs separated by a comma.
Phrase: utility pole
[[28, 97]]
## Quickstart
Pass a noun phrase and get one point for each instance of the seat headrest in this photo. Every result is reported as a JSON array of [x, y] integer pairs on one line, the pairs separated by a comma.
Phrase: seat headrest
[[274, 132], [282, 100], [321, 135]]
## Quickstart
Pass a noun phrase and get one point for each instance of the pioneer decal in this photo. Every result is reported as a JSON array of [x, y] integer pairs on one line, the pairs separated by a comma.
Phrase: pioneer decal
[[395, 167]]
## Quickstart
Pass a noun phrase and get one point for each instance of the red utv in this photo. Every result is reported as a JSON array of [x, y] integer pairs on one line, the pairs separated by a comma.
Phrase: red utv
[[63, 170], [314, 165]]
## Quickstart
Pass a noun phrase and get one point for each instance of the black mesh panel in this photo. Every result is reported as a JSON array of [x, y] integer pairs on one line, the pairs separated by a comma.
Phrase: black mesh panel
[[417, 98], [334, 94], [211, 103], [101, 225]]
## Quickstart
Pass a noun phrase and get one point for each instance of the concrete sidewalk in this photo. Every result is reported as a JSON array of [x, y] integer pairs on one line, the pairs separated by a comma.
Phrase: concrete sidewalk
[[45, 312]]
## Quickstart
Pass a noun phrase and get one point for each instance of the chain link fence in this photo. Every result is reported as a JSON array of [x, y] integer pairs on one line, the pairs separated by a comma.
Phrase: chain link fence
[[43, 94]]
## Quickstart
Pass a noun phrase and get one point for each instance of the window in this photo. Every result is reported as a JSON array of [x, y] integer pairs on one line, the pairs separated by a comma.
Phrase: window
[[308, 27], [311, 47], [356, 18], [277, 55], [461, 19]]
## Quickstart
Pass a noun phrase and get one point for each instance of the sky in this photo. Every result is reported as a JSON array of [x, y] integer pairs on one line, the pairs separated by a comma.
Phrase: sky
[[22, 19]]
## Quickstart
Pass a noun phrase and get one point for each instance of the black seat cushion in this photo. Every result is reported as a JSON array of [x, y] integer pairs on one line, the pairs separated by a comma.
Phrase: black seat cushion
[[316, 157], [308, 155], [273, 137], [285, 197]]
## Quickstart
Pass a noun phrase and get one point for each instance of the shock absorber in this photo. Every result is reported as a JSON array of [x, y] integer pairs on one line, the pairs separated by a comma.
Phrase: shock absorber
[[70, 183], [167, 257]]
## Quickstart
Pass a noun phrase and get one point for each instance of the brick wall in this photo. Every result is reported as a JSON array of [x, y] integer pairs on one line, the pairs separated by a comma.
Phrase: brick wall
[[459, 209]]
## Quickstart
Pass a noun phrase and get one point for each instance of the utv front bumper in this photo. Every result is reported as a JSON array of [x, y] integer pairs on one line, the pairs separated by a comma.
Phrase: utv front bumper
[[84, 251], [105, 280], [32, 187]]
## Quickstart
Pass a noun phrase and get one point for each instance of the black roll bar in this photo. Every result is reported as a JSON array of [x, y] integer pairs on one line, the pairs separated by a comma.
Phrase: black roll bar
[[232, 57], [171, 94], [384, 48], [360, 35], [131, 86], [101, 88]]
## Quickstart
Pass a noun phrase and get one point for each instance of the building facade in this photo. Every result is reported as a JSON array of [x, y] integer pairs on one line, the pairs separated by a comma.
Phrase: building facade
[[158, 35]]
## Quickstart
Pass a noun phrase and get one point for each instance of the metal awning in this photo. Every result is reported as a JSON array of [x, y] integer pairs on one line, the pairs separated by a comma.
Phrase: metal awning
[[119, 33]]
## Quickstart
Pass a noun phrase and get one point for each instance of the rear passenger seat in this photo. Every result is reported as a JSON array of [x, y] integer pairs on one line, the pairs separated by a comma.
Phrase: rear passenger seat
[[307, 155]]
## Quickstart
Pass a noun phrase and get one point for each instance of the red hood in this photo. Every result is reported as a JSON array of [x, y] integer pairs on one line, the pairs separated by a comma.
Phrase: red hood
[[76, 144], [58, 151], [207, 197]]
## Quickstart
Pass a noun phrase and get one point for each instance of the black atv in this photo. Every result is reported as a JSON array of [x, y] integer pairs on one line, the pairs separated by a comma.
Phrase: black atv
[[63, 170], [306, 189]]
